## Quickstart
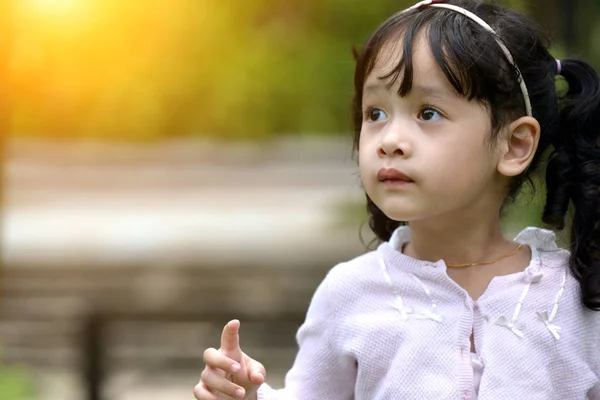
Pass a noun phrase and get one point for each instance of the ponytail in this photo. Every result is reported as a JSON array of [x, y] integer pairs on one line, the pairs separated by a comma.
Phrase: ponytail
[[573, 176]]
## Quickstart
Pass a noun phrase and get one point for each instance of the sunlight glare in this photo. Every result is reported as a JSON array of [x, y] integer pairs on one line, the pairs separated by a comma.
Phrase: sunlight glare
[[56, 7]]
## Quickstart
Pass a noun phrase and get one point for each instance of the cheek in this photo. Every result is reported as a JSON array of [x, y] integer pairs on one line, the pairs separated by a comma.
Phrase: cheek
[[363, 170], [468, 167], [364, 155]]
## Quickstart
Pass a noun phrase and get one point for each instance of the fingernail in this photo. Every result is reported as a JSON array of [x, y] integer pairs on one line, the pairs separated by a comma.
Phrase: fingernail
[[235, 368], [239, 393], [260, 374]]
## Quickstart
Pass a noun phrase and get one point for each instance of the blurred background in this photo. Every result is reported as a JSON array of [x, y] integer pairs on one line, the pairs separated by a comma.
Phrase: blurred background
[[169, 165]]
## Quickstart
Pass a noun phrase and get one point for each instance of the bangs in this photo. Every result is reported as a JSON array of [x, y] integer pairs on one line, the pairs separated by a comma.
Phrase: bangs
[[468, 55]]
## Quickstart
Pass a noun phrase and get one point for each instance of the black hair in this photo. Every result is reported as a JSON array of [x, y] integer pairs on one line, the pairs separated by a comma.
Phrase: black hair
[[473, 62]]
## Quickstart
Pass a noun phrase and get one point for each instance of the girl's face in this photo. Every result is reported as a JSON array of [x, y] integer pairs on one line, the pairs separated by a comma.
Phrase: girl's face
[[426, 154]]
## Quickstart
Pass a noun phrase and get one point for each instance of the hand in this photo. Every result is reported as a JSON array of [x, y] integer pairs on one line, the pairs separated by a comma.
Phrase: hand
[[229, 373]]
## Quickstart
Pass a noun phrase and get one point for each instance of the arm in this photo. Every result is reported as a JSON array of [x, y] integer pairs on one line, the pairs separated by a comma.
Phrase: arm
[[322, 370]]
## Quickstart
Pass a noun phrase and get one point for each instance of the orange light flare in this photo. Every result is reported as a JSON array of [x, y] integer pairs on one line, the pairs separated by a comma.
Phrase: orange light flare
[[55, 8]]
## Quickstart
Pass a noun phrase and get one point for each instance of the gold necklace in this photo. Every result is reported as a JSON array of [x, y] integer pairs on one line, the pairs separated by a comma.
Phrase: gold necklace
[[486, 262]]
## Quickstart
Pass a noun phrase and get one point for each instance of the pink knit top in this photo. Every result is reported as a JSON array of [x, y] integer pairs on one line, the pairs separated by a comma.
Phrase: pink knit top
[[387, 326]]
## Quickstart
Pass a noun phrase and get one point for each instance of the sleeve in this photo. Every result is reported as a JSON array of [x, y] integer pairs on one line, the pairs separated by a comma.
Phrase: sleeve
[[321, 370]]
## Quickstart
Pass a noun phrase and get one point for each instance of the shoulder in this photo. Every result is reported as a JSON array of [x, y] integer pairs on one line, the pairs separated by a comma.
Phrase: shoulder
[[562, 290], [549, 259], [353, 272], [352, 279]]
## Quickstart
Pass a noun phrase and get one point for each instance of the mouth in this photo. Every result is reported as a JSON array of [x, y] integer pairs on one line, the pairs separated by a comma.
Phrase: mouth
[[393, 177]]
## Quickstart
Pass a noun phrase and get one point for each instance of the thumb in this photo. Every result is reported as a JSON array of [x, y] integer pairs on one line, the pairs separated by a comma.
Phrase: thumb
[[257, 373], [230, 340]]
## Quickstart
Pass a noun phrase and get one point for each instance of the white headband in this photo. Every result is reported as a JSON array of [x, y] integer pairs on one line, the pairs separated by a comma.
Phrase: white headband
[[466, 13]]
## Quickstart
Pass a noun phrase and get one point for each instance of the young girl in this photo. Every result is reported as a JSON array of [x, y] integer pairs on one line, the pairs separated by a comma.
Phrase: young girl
[[455, 109]]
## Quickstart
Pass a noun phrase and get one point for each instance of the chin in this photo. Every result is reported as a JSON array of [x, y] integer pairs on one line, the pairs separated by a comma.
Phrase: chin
[[398, 205], [401, 215]]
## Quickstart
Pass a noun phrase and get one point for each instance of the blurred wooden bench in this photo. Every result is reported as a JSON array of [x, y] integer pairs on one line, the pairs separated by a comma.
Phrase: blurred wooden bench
[[94, 318]]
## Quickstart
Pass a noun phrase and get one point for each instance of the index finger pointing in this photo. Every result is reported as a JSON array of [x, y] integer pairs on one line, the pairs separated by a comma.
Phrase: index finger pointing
[[230, 340]]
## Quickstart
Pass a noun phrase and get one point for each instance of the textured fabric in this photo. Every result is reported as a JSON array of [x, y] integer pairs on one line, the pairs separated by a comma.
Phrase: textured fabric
[[387, 326]]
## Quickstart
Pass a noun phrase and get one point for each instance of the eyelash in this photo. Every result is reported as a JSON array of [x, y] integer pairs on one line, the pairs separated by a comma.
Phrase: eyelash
[[432, 108], [424, 107]]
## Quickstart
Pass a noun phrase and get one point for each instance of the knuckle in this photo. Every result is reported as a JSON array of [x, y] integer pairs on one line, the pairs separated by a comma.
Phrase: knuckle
[[230, 390], [198, 391], [208, 352], [259, 366]]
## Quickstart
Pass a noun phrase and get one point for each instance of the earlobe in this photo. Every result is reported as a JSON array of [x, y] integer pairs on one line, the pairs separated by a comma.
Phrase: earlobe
[[522, 138]]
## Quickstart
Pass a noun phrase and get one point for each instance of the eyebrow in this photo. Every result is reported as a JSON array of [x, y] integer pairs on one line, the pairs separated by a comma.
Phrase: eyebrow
[[432, 91]]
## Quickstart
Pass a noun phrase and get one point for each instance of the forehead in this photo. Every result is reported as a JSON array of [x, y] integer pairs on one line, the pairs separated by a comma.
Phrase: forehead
[[425, 69]]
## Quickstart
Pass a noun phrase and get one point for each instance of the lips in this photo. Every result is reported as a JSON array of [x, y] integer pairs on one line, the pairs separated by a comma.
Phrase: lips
[[391, 175]]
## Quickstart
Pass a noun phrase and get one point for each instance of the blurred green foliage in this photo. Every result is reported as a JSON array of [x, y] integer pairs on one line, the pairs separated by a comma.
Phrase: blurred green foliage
[[140, 70], [15, 384]]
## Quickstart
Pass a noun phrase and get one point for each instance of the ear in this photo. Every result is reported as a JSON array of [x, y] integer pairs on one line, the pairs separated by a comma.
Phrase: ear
[[521, 142]]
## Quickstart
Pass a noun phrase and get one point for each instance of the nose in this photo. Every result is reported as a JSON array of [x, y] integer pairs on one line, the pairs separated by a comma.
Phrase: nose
[[394, 142]]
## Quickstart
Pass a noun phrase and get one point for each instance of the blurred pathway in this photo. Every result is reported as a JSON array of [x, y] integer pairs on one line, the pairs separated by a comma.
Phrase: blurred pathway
[[61, 211]]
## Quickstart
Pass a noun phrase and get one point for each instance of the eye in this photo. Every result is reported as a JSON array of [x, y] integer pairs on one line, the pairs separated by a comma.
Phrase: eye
[[375, 114], [429, 114]]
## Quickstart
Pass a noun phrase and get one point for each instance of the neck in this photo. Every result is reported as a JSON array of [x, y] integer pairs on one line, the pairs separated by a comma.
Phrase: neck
[[475, 237]]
